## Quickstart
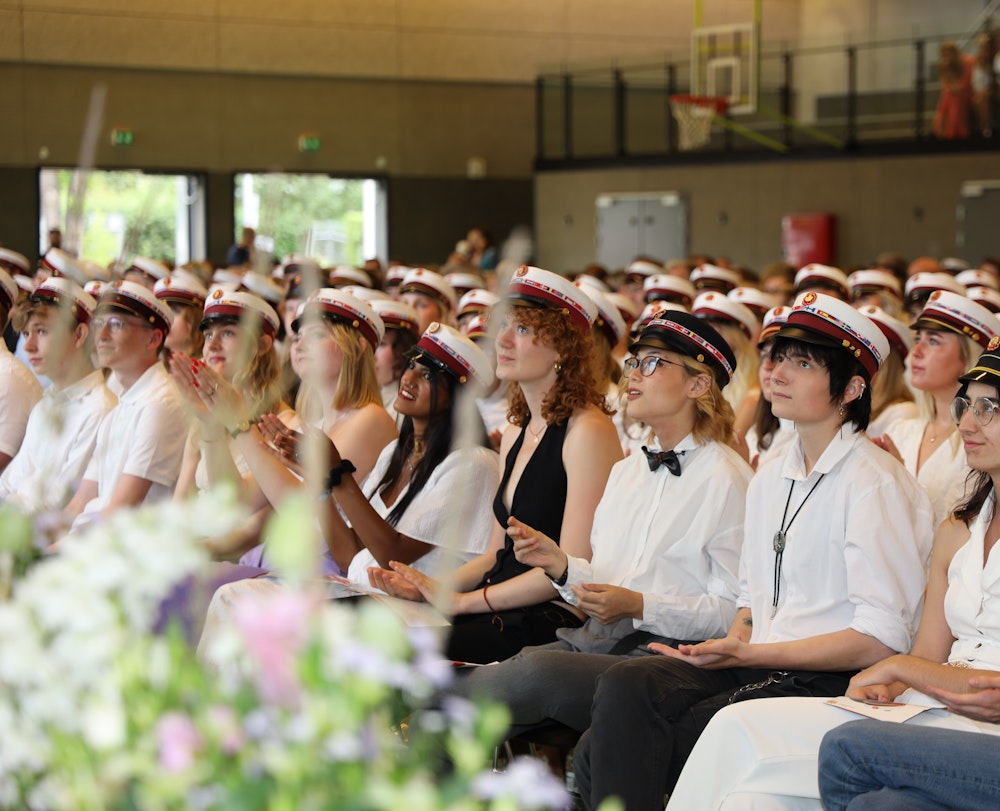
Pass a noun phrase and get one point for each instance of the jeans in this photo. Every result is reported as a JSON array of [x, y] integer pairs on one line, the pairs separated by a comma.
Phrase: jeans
[[878, 765]]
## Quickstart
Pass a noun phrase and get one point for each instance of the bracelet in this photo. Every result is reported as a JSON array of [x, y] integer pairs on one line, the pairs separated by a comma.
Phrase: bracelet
[[497, 620], [241, 428], [336, 474], [487, 600], [561, 580]]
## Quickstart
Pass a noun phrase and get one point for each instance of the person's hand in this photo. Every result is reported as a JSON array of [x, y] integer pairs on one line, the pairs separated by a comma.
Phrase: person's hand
[[715, 654], [221, 397], [494, 438], [879, 674], [608, 604], [182, 371], [394, 584], [885, 443], [534, 548], [289, 446], [982, 704], [281, 442], [870, 692], [428, 587]]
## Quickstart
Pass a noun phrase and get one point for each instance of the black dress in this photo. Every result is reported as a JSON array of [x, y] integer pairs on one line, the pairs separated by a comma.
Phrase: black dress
[[539, 501]]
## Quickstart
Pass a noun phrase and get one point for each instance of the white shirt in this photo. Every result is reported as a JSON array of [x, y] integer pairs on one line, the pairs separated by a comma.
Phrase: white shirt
[[675, 539], [453, 511], [855, 554], [971, 604], [142, 436], [493, 409], [943, 472], [58, 444], [19, 391], [780, 440]]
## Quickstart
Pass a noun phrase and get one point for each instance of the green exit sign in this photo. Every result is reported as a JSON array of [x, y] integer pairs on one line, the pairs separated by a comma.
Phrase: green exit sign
[[122, 137], [309, 142]]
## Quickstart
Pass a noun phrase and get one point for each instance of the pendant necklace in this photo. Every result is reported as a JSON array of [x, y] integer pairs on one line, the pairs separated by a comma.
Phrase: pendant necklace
[[416, 453], [537, 437], [779, 539]]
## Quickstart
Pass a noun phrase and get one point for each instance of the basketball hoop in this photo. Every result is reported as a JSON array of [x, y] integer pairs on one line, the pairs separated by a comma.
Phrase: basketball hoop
[[694, 115]]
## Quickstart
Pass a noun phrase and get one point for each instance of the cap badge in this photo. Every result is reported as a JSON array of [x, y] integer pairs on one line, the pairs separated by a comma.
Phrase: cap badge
[[433, 327], [217, 293], [521, 271], [935, 295], [993, 344], [700, 358], [809, 298]]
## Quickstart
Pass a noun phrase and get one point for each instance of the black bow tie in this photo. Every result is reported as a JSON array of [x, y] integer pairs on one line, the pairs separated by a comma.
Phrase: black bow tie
[[669, 459]]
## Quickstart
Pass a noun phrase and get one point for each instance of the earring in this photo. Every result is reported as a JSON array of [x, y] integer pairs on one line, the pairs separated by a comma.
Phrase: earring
[[840, 409], [558, 367]]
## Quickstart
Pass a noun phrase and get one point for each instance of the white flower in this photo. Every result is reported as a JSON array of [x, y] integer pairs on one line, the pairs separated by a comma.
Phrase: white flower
[[102, 723], [526, 781]]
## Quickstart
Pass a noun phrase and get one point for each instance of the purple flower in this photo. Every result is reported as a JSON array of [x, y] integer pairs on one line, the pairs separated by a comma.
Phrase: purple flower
[[178, 740]]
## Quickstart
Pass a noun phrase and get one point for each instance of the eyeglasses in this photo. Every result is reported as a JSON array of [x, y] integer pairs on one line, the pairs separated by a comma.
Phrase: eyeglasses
[[114, 324], [647, 365], [983, 409]]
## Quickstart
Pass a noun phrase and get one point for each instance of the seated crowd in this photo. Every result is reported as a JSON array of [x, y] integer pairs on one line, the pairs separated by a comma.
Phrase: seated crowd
[[681, 506]]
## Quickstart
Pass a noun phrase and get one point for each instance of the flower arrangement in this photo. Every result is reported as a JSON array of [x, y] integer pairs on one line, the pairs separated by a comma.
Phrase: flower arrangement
[[301, 708]]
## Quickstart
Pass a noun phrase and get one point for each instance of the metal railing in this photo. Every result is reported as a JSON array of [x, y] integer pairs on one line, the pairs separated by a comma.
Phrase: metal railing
[[818, 99]]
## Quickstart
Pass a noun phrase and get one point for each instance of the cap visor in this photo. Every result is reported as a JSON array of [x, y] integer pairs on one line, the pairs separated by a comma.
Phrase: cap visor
[[932, 323], [426, 359], [799, 333]]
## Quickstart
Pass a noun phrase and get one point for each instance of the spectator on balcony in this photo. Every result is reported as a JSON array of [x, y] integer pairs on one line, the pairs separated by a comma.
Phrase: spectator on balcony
[[983, 78], [951, 119]]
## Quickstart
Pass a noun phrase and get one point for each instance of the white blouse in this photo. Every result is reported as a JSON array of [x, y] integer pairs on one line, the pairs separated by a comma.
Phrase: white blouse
[[453, 511]]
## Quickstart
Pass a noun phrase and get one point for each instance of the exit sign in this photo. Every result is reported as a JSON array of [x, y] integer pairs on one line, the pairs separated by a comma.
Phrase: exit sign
[[309, 142], [122, 137]]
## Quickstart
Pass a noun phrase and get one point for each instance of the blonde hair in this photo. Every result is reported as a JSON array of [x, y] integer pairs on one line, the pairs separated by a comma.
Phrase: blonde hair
[[747, 361], [889, 385], [357, 383], [714, 416], [261, 380], [606, 369]]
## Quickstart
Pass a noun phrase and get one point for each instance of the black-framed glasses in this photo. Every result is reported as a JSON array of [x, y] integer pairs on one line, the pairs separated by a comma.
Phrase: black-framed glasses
[[647, 365], [983, 409]]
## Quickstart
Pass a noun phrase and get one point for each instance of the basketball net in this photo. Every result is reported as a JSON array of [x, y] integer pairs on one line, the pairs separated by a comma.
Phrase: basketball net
[[694, 116]]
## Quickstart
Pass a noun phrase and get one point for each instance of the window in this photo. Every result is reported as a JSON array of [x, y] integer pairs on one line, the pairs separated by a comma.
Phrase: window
[[112, 216], [334, 220]]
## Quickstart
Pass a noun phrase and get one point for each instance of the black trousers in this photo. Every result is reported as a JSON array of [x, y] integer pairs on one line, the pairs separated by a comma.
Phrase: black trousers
[[648, 713]]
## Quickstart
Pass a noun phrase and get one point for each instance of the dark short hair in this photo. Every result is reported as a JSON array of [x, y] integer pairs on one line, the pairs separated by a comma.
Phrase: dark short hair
[[841, 366]]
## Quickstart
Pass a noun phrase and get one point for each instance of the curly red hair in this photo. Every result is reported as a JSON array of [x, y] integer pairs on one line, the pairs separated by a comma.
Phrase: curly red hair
[[575, 385]]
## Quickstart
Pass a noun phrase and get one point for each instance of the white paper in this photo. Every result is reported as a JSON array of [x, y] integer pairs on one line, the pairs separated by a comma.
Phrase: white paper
[[893, 711]]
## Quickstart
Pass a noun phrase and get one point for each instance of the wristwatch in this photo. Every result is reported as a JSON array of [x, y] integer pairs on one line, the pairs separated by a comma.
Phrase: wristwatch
[[561, 580], [241, 428]]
